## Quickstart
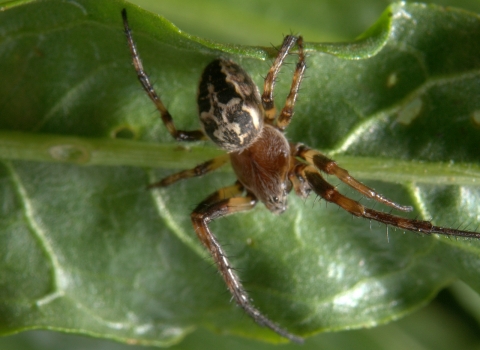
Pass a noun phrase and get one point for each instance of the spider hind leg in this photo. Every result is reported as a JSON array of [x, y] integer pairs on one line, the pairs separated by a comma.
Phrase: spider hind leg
[[179, 135], [271, 78], [286, 113]]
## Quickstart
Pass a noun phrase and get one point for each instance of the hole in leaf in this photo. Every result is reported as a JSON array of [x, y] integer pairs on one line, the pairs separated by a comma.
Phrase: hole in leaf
[[124, 132], [476, 118]]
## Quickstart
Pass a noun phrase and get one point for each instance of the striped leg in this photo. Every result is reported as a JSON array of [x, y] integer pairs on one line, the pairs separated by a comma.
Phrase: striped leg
[[217, 206], [267, 97], [179, 135], [199, 170], [287, 112], [330, 167], [330, 194]]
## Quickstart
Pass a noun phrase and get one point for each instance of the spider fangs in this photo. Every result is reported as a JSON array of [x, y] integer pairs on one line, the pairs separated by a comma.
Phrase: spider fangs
[[267, 166]]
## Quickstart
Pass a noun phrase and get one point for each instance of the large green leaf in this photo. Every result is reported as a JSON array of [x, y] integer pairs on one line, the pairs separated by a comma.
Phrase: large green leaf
[[85, 248], [259, 22]]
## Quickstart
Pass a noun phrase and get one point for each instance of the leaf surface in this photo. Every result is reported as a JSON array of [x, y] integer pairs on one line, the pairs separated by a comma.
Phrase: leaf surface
[[85, 248]]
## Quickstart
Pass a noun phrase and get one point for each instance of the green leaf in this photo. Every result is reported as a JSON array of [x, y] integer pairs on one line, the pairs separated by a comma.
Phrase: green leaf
[[261, 22], [86, 249]]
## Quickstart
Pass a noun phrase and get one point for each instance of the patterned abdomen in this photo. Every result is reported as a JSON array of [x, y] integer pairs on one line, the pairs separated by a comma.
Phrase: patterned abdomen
[[229, 105]]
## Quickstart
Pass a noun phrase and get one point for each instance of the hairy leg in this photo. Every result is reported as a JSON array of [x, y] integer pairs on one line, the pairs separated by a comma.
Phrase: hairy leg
[[330, 167], [330, 194], [217, 206], [199, 170], [287, 112], [179, 135], [270, 79]]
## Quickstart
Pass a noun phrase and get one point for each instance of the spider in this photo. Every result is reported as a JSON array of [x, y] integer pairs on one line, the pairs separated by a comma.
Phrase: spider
[[246, 125]]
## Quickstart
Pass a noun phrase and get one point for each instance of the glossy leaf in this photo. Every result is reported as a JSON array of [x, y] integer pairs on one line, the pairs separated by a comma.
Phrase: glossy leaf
[[85, 248]]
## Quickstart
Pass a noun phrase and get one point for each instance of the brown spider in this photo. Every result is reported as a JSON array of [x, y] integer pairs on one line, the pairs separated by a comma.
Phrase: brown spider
[[267, 166]]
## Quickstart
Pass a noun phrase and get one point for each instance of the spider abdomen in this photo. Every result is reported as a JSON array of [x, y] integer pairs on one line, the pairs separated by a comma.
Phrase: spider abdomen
[[229, 105]]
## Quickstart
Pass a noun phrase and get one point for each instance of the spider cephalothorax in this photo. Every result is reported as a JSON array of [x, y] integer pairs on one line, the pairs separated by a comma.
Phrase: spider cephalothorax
[[244, 123]]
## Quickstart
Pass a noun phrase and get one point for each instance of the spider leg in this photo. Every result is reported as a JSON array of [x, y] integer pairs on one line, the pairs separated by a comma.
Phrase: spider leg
[[270, 79], [179, 135], [299, 183], [330, 167], [330, 194], [287, 111], [199, 170], [217, 206]]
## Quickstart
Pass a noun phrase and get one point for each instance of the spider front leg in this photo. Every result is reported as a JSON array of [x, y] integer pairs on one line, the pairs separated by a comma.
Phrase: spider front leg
[[221, 203], [330, 194], [329, 166], [179, 135]]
